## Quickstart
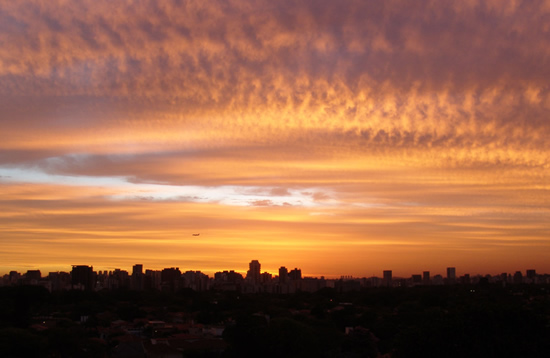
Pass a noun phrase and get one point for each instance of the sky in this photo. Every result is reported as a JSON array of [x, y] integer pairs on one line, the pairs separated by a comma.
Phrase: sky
[[339, 137]]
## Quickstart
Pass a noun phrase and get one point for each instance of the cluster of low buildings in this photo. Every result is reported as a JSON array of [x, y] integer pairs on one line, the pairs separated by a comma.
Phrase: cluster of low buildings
[[176, 336], [172, 279]]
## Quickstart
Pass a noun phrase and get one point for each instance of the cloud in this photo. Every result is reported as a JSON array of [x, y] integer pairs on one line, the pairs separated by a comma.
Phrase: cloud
[[420, 119], [261, 203], [363, 75], [225, 54], [280, 192], [320, 196], [56, 219]]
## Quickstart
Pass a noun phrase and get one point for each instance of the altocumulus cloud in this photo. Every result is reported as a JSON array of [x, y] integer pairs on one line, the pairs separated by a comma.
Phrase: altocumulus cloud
[[432, 114]]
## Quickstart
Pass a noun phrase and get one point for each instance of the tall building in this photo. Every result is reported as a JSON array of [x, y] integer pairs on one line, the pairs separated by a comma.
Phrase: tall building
[[82, 276], [295, 274], [504, 277], [137, 270], [14, 277], [196, 280], [451, 274], [266, 277], [253, 274], [59, 280], [170, 279], [33, 276], [283, 275], [426, 277], [518, 277], [387, 278], [119, 279], [152, 279], [137, 277]]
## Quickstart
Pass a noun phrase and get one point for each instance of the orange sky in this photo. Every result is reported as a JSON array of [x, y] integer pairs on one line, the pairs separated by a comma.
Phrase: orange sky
[[344, 138]]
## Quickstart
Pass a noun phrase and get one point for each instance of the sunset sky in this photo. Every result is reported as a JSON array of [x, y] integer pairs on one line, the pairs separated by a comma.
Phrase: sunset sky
[[340, 137]]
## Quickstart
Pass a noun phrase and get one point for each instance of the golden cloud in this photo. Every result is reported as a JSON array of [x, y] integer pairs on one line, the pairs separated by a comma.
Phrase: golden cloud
[[415, 126]]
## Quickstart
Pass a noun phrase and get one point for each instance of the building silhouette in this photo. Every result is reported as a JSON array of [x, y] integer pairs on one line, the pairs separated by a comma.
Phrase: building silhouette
[[137, 277], [253, 274], [426, 280], [170, 279], [152, 280], [295, 274], [518, 277], [82, 277], [33, 276], [283, 275], [387, 278], [451, 275]]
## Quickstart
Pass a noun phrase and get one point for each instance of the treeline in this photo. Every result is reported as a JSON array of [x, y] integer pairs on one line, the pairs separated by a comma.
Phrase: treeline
[[436, 321]]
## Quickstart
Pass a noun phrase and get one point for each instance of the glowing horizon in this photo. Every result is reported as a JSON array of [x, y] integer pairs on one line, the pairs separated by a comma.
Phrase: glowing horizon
[[340, 138]]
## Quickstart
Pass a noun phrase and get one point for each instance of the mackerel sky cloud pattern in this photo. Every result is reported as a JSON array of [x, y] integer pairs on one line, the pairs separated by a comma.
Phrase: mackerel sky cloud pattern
[[338, 136]]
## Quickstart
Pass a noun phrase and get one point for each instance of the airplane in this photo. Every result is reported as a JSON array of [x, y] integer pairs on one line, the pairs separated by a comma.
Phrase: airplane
[[196, 234]]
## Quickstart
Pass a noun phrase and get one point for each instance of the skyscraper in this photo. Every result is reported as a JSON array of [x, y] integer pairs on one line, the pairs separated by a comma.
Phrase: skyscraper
[[137, 277], [253, 274], [170, 278], [518, 277], [295, 274], [35, 276], [283, 274], [387, 281], [137, 270], [82, 276], [426, 277], [451, 275]]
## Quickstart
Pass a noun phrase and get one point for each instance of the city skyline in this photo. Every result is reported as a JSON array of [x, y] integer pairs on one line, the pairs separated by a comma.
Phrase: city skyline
[[343, 138], [254, 271]]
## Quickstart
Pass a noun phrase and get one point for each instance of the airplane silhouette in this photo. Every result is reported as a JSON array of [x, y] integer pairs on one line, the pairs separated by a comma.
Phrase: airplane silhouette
[[196, 234]]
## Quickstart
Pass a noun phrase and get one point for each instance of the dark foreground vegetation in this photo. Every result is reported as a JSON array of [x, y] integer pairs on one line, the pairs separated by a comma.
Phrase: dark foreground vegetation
[[431, 321]]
